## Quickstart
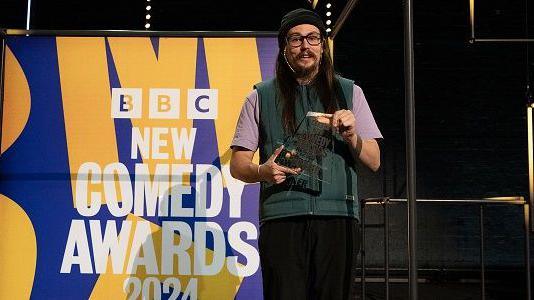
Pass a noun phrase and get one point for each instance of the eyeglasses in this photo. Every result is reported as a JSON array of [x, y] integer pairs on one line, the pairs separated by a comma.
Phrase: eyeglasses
[[313, 39]]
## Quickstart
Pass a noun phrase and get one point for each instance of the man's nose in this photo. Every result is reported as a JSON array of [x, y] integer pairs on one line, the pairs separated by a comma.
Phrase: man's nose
[[304, 44]]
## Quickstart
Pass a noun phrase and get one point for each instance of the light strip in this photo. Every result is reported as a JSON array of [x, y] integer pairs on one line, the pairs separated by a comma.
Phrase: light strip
[[530, 155], [147, 16], [28, 13], [505, 40], [472, 18]]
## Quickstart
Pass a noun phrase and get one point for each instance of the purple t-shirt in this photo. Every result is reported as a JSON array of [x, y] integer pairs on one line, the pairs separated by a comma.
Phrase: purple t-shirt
[[246, 132]]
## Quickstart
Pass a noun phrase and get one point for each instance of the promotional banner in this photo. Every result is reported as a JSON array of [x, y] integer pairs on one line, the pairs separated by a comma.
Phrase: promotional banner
[[114, 168]]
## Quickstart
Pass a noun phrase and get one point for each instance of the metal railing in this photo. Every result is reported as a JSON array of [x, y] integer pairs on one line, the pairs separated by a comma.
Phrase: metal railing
[[386, 202]]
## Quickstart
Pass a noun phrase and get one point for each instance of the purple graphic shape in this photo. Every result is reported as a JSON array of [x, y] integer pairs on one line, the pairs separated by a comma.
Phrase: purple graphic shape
[[267, 52], [154, 40]]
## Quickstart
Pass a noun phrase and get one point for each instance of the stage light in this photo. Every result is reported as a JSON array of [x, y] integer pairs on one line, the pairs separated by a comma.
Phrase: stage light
[[148, 16], [328, 14], [328, 5], [328, 22], [328, 29]]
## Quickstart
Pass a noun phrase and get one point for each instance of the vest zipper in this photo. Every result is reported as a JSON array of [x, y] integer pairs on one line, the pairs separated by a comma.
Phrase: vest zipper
[[306, 94]]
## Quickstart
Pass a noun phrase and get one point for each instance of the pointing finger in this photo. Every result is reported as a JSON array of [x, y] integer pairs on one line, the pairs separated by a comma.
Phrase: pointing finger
[[277, 152]]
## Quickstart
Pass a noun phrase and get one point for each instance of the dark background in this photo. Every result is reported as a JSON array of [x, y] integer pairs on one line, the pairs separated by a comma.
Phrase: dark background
[[470, 98]]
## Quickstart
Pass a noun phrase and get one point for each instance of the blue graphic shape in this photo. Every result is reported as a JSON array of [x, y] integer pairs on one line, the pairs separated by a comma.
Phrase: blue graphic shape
[[36, 173]]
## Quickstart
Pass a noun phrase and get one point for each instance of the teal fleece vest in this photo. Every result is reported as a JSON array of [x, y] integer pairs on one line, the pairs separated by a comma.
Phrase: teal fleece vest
[[306, 195]]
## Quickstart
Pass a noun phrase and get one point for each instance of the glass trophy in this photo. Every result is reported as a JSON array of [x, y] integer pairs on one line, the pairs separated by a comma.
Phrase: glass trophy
[[308, 150]]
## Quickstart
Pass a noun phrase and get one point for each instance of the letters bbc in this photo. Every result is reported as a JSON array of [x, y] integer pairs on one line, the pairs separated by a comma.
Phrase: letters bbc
[[127, 103]]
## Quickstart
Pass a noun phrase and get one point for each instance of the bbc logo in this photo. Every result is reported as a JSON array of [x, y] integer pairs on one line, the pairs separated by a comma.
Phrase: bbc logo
[[127, 103]]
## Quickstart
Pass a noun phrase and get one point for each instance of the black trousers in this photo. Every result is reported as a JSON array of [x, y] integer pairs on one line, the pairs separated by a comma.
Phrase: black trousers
[[309, 257]]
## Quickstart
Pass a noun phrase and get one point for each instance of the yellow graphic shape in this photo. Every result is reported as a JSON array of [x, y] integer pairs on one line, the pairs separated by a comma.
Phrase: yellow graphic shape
[[222, 286], [86, 103], [174, 68], [17, 101], [233, 68], [18, 251]]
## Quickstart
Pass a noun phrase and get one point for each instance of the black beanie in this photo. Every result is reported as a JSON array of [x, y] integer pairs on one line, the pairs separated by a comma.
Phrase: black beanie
[[297, 17]]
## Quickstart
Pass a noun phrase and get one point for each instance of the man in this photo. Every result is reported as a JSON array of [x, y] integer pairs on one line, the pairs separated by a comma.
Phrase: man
[[308, 220]]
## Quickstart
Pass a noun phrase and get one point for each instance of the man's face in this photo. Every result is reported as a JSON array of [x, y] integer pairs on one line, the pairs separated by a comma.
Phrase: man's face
[[305, 58]]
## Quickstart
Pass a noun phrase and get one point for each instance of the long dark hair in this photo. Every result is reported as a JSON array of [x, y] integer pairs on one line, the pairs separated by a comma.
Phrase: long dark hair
[[286, 83]]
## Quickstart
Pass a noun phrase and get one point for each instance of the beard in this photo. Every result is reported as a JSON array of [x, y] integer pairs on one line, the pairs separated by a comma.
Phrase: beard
[[307, 71]]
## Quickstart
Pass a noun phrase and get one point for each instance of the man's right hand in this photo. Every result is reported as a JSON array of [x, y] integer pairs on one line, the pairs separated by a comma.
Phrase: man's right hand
[[273, 172]]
